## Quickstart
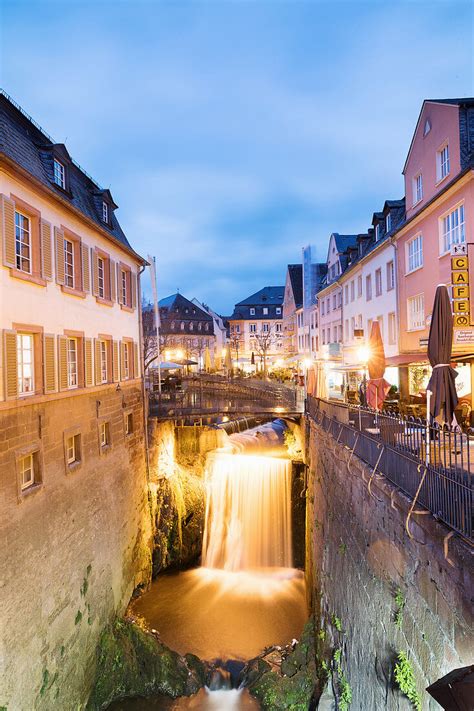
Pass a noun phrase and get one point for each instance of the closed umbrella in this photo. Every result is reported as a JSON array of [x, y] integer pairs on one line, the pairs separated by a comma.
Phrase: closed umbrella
[[321, 382], [310, 381], [442, 385], [377, 386], [252, 358], [228, 360], [207, 360]]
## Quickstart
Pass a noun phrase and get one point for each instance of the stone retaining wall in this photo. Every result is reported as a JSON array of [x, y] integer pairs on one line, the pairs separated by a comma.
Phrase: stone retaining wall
[[361, 561]]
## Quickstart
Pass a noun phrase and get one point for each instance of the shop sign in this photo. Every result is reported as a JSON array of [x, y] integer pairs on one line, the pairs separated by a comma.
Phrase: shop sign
[[464, 336], [423, 341], [460, 282]]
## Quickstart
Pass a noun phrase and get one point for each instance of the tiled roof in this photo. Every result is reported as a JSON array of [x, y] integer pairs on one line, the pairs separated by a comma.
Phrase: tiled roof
[[32, 149], [344, 241], [180, 305], [269, 294], [295, 272], [270, 297]]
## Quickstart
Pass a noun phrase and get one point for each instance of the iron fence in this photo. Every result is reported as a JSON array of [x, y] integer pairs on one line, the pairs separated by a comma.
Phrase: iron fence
[[429, 462]]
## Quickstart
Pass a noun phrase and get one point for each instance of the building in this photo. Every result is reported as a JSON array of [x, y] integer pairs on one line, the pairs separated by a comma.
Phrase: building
[[439, 189], [72, 452], [256, 329], [314, 274], [186, 329], [292, 310], [220, 333]]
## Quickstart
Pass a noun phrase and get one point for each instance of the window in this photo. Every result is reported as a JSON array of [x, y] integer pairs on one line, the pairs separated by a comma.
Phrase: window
[[390, 275], [72, 363], [124, 286], [369, 327], [322, 307], [368, 287], [352, 327], [252, 311], [69, 263], [334, 301], [105, 212], [253, 328], [206, 327], [25, 363], [103, 361], [346, 294], [352, 290], [73, 449], [417, 188], [416, 312], [265, 310], [278, 310], [339, 298], [453, 228], [23, 242], [377, 232], [191, 326], [27, 471], [334, 334], [126, 360], [392, 329], [388, 222], [278, 327], [378, 282], [104, 435], [442, 163], [380, 320], [359, 285], [59, 174], [128, 423], [346, 328], [266, 327], [328, 305], [182, 325], [415, 253], [101, 276], [237, 328]]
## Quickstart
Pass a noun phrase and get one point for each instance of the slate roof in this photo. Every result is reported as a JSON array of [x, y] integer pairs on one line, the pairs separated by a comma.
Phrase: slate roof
[[343, 241], [295, 272], [177, 306], [270, 297], [32, 149]]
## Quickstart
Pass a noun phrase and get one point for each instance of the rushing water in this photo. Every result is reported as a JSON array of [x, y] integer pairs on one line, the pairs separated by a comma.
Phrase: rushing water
[[247, 595], [205, 700]]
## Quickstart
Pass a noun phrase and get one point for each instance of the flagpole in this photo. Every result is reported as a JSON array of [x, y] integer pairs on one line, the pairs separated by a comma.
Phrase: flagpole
[[152, 261]]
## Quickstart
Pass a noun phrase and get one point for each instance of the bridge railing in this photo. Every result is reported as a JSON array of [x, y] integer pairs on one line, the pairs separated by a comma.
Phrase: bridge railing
[[430, 463]]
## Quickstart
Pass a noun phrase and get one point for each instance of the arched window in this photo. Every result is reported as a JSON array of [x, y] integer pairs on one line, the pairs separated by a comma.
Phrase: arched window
[[206, 327], [191, 326], [199, 326], [173, 324], [182, 325]]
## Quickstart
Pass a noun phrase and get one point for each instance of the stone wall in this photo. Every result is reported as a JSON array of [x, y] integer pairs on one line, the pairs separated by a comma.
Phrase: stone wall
[[74, 549], [376, 590]]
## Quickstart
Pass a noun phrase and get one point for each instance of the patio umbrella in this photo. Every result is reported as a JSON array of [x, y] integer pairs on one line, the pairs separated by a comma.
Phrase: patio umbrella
[[441, 384], [455, 690], [321, 382], [377, 386], [167, 365], [228, 360], [310, 381], [252, 358], [207, 360]]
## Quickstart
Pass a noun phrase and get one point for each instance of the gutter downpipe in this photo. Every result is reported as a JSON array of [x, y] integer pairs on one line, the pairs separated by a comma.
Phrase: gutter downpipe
[[144, 395]]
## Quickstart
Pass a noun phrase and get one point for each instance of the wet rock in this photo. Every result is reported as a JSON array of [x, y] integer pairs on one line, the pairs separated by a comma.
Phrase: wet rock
[[327, 702], [134, 662]]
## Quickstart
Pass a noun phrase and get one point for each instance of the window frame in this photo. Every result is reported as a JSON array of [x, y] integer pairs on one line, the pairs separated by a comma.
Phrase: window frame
[[100, 261], [103, 351], [20, 335], [440, 174], [70, 340], [460, 226], [33, 452], [69, 264], [59, 176], [19, 242], [75, 434], [103, 426], [390, 274], [388, 222], [410, 242], [417, 195], [378, 282], [410, 300], [105, 212], [252, 311], [368, 287]]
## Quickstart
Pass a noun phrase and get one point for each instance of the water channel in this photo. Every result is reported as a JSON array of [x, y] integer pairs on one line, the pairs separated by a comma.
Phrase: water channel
[[246, 595]]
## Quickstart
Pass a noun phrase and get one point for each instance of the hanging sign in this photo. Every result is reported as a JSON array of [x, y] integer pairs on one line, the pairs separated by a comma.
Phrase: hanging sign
[[460, 282]]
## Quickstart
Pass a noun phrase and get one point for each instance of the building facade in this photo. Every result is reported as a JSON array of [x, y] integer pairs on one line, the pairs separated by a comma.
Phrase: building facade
[[292, 306], [256, 329], [71, 415]]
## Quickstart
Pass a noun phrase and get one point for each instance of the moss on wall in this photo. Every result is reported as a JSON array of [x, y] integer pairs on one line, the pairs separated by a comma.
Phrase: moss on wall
[[133, 662]]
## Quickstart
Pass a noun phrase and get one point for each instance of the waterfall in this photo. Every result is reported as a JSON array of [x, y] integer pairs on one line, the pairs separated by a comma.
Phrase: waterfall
[[248, 513]]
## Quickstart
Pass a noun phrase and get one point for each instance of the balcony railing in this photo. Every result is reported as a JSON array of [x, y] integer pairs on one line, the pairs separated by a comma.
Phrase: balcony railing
[[433, 465]]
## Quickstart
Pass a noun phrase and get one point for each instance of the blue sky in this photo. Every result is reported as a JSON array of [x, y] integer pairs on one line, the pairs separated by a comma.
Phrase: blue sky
[[233, 133]]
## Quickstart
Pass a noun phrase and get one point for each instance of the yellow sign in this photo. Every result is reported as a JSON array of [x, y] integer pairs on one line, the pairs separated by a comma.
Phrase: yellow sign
[[461, 277], [461, 320], [461, 292], [461, 307], [459, 263]]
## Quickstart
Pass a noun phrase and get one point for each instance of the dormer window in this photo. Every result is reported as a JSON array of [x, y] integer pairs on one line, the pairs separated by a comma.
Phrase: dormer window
[[377, 232], [59, 174], [105, 212], [388, 223]]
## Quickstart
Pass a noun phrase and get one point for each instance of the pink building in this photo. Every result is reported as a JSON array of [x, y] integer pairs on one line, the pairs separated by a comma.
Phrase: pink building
[[439, 189]]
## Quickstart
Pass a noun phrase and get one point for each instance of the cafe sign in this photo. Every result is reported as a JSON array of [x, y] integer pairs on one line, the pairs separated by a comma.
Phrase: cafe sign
[[460, 282]]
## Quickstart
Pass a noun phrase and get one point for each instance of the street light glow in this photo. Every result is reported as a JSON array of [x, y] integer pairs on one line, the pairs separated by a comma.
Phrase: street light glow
[[307, 363], [363, 354], [179, 354]]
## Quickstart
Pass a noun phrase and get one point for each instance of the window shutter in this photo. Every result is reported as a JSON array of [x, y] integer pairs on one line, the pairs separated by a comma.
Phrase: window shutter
[[48, 358], [116, 374], [59, 248], [62, 362], [7, 230], [136, 364], [119, 283], [46, 251], [86, 274], [133, 282], [122, 360], [95, 272], [97, 361], [113, 292], [88, 379], [10, 364]]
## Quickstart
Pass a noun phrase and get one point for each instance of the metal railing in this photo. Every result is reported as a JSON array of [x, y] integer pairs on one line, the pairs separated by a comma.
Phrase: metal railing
[[214, 395], [430, 463]]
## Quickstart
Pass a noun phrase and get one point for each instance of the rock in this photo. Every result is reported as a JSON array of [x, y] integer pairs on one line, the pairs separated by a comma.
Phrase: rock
[[327, 701]]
